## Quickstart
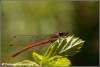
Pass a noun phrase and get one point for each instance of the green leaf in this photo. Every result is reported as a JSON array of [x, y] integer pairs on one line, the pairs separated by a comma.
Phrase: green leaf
[[72, 46], [37, 57], [59, 61], [65, 46]]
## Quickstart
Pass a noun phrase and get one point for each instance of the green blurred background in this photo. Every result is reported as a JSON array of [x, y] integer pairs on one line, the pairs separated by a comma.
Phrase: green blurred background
[[40, 17]]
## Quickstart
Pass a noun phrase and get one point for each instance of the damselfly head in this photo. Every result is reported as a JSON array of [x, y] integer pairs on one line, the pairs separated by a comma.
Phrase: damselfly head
[[63, 33]]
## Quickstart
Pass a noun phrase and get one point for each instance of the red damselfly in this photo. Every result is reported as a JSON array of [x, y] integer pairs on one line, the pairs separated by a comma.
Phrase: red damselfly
[[29, 41]]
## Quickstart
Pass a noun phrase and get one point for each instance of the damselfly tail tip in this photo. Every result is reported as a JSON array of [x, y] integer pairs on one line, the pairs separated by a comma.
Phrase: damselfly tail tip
[[13, 55]]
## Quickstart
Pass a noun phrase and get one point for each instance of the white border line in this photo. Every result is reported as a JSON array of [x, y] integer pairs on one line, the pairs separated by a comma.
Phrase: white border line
[[0, 33], [50, 0], [45, 0], [99, 32]]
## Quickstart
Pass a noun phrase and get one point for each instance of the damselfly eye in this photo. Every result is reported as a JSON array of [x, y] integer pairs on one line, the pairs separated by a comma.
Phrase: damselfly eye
[[63, 33], [66, 32]]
